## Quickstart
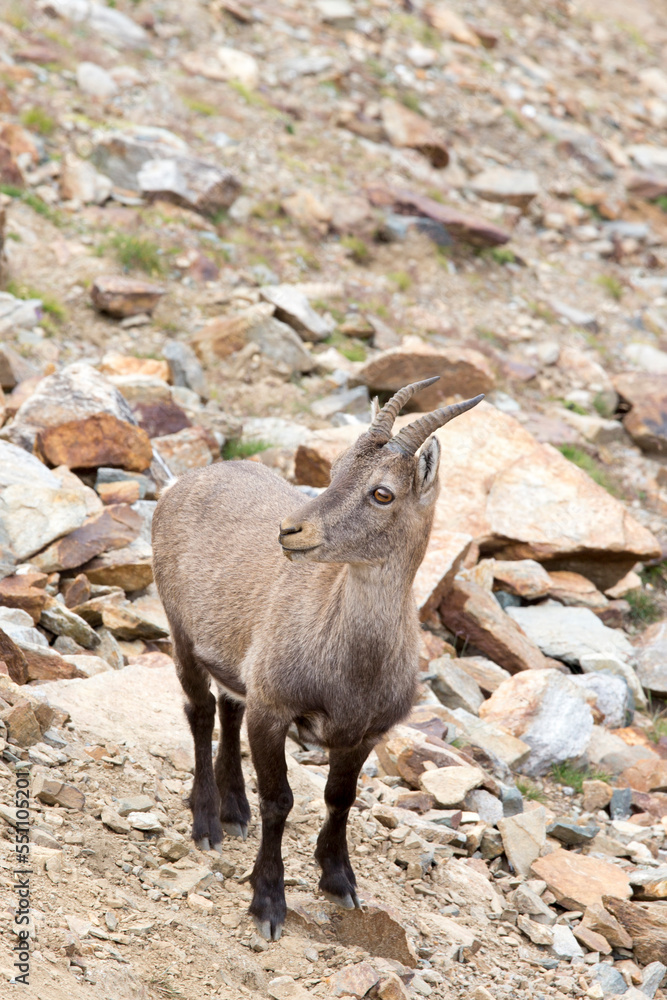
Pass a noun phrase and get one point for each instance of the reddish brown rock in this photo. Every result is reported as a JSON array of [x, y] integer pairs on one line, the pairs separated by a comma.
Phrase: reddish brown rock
[[130, 568], [463, 372], [523, 577], [222, 336], [406, 752], [13, 658], [13, 368], [76, 591], [354, 980], [26, 592], [121, 296], [407, 129], [15, 142], [44, 664], [419, 802], [474, 615], [646, 423], [444, 556], [376, 929], [573, 589], [646, 923], [605, 923], [114, 528], [161, 418], [101, 439], [462, 227], [578, 881], [127, 492]]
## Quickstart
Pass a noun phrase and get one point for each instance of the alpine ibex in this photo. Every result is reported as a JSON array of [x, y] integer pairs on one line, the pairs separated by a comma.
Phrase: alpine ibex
[[327, 638]]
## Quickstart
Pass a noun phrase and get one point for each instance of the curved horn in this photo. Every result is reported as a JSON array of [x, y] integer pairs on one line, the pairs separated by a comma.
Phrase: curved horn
[[413, 436], [384, 421]]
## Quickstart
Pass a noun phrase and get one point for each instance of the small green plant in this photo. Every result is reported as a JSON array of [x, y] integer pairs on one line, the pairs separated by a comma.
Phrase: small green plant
[[36, 203], [137, 253], [502, 255], [160, 985], [357, 249], [243, 449], [515, 117], [611, 285], [401, 279], [530, 791], [574, 408], [567, 774], [644, 609], [350, 349], [410, 101], [658, 727], [50, 303], [38, 120], [661, 202], [200, 107], [601, 406], [586, 462], [353, 352]]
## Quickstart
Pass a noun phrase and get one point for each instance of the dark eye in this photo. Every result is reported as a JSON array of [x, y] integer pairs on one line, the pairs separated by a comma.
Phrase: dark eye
[[383, 495]]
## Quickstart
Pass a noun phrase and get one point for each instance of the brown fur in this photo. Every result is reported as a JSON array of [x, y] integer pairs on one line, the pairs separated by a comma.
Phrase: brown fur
[[327, 638]]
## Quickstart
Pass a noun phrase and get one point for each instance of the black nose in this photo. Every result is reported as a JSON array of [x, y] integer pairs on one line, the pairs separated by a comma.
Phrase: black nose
[[289, 531]]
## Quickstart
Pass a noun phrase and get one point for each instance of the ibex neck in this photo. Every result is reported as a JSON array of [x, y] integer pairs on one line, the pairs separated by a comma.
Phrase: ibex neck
[[378, 588]]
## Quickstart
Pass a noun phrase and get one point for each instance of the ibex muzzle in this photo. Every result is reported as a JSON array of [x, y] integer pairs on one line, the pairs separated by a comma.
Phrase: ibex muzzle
[[330, 643]]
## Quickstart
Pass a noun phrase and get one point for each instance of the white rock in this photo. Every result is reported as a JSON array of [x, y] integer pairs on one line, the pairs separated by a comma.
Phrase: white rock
[[421, 56], [19, 626], [19, 467], [18, 313], [80, 181], [568, 633], [114, 26], [293, 307], [240, 66], [515, 187], [612, 696], [149, 822], [565, 944], [648, 358], [33, 516], [450, 785], [524, 836], [88, 665], [94, 80], [598, 662]]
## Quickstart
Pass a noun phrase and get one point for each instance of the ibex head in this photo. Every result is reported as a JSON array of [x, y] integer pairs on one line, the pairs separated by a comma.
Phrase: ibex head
[[382, 493]]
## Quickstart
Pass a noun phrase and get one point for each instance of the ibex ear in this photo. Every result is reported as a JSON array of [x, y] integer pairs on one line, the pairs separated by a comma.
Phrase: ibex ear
[[427, 465]]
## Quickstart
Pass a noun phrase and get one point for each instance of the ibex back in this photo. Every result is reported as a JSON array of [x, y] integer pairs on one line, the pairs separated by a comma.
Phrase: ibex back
[[327, 638]]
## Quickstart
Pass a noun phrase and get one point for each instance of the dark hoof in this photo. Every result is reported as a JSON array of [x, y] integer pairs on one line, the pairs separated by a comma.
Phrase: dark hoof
[[206, 828], [203, 844], [267, 929], [339, 887], [347, 902], [235, 830]]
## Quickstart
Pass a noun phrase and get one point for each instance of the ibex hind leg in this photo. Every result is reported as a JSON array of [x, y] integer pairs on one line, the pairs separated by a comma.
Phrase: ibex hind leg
[[338, 882], [234, 808], [200, 712]]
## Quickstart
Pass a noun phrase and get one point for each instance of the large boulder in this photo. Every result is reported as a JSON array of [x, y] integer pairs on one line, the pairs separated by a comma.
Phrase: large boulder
[[646, 422], [519, 499], [547, 711]]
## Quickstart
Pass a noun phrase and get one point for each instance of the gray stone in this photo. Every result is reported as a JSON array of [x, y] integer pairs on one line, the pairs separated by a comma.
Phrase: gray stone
[[613, 696], [18, 314], [88, 665], [339, 13], [115, 822], [184, 366], [33, 516], [121, 155], [114, 26], [620, 806], [609, 978], [135, 803], [652, 978], [568, 633], [575, 316], [19, 626], [275, 431], [606, 663], [293, 307], [107, 475], [109, 649], [651, 653], [610, 753], [19, 468], [571, 833], [147, 821], [454, 687], [354, 402], [491, 738], [179, 882], [514, 187], [196, 184], [512, 800], [525, 900], [280, 343], [565, 944], [61, 621], [487, 806], [524, 836], [94, 80]]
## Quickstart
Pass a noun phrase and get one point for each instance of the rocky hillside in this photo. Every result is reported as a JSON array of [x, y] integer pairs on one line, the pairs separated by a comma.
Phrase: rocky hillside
[[224, 227]]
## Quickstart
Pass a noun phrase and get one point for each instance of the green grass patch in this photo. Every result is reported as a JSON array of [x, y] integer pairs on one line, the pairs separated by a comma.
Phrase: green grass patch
[[38, 120], [200, 107], [401, 279], [573, 777], [34, 202], [644, 609], [661, 202], [502, 255], [357, 249], [137, 253], [243, 449], [586, 462], [530, 791], [50, 303], [602, 407], [411, 102], [574, 408], [350, 349], [611, 285]]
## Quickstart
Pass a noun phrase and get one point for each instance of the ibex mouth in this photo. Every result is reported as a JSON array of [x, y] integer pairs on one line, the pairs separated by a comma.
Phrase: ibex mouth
[[293, 554]]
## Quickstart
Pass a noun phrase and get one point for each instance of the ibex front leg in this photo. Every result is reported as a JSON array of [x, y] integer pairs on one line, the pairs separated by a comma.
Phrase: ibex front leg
[[338, 882], [267, 746]]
